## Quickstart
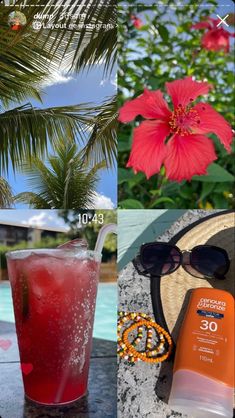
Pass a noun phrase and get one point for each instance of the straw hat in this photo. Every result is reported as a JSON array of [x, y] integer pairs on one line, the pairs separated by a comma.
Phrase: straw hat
[[217, 229]]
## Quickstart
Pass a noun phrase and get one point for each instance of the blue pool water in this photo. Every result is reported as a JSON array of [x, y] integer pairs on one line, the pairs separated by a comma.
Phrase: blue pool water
[[106, 309]]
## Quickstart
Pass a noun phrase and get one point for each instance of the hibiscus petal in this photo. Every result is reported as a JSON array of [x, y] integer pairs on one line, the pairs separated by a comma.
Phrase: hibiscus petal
[[212, 122], [150, 105], [216, 40], [186, 90], [148, 148], [188, 156]]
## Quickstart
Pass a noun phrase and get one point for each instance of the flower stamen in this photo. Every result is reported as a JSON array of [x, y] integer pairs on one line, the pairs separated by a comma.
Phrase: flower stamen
[[183, 120]]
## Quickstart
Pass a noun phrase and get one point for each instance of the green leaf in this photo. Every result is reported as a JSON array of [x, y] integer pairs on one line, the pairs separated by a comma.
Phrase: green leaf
[[220, 201], [216, 173], [131, 204], [206, 189], [153, 82], [124, 175], [163, 32], [136, 179], [123, 146], [160, 200]]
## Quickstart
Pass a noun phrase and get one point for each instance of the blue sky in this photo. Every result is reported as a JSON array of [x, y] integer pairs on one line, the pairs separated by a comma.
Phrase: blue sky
[[82, 88]]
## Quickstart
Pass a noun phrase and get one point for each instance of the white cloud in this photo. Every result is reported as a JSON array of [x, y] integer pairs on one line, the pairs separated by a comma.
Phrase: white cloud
[[36, 220], [102, 202], [44, 219], [57, 77]]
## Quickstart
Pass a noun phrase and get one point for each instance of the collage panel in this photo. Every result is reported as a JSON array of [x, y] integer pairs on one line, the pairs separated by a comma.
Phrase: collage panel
[[175, 94], [57, 279], [176, 313], [58, 104]]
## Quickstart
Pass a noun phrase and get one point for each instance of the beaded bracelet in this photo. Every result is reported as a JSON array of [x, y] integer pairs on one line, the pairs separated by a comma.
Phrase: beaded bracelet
[[127, 349]]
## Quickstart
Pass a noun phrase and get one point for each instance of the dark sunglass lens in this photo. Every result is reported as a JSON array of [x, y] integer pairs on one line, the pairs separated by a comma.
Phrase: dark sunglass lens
[[210, 261], [160, 259]]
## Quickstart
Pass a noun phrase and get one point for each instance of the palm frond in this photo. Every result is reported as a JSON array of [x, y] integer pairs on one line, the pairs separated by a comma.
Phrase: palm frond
[[102, 143], [96, 41], [24, 131], [32, 199], [64, 182], [78, 41], [6, 196]]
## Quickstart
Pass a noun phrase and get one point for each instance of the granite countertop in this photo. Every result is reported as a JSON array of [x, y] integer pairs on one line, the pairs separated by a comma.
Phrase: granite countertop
[[99, 403], [143, 388]]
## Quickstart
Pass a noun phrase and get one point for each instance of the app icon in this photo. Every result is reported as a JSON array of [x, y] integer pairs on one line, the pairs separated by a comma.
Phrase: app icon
[[17, 20]]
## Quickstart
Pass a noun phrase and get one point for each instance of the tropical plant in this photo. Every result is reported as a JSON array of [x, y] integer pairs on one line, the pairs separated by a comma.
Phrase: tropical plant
[[25, 130], [29, 56], [63, 182], [6, 196], [164, 49]]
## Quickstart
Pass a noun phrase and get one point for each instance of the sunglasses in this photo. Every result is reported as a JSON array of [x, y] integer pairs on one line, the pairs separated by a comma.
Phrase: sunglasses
[[159, 259]]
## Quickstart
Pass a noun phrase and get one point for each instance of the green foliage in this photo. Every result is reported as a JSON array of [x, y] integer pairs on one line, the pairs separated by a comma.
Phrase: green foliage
[[164, 49], [47, 242]]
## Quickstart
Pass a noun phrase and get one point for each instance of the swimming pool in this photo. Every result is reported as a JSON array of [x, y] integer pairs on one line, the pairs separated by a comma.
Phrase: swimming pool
[[106, 309]]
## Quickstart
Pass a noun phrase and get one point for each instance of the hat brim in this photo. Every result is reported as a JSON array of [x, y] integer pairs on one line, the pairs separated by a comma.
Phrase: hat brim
[[215, 230]]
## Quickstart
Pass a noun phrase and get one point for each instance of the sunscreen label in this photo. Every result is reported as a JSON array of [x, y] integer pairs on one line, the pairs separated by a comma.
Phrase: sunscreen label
[[219, 305], [209, 314], [206, 340]]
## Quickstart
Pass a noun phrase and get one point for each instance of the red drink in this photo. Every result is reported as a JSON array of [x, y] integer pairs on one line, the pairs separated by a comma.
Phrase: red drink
[[54, 294]]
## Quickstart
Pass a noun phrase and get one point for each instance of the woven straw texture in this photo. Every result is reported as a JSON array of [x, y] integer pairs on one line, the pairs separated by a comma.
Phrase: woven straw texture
[[175, 288]]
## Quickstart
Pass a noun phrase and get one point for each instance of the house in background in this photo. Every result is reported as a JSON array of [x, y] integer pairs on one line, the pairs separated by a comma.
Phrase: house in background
[[13, 232]]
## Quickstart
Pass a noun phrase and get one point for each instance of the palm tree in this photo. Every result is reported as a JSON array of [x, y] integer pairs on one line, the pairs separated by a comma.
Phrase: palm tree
[[64, 182], [27, 58], [6, 196]]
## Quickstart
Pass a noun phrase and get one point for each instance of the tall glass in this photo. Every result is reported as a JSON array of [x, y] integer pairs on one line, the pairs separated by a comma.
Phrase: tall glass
[[54, 296]]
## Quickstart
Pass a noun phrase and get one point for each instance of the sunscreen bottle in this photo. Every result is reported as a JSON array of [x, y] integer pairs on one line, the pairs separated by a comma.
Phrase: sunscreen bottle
[[203, 379]]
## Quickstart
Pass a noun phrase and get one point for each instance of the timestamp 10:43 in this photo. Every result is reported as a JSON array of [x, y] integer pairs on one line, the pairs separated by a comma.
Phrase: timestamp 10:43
[[85, 218]]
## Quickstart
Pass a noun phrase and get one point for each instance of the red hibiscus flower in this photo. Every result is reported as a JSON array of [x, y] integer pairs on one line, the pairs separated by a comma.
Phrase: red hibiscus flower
[[175, 138], [137, 22], [215, 38]]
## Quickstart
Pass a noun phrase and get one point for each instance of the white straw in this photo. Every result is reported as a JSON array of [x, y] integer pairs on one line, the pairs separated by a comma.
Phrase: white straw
[[104, 231]]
